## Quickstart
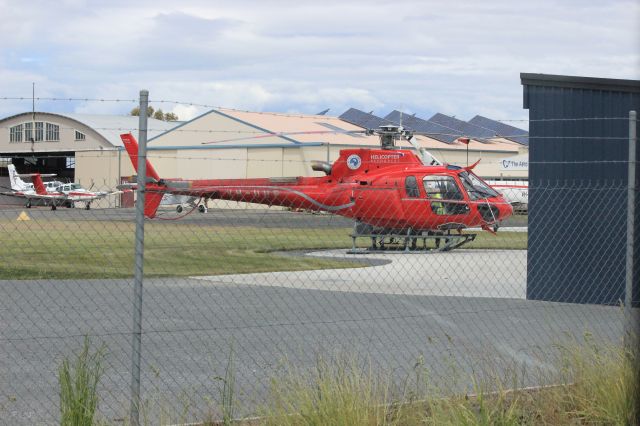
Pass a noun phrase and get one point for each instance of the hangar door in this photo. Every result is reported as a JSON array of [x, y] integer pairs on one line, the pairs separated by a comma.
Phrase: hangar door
[[62, 164]]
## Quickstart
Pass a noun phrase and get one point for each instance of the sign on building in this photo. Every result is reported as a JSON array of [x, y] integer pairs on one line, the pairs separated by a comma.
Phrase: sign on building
[[515, 163]]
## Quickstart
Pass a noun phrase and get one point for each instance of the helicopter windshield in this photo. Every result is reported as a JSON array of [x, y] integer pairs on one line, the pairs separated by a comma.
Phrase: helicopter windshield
[[476, 188]]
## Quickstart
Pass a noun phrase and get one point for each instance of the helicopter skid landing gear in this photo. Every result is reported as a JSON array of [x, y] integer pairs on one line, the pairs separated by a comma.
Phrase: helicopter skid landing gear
[[408, 243]]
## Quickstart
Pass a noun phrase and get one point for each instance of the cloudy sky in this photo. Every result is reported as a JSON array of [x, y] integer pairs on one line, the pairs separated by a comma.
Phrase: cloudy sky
[[456, 57]]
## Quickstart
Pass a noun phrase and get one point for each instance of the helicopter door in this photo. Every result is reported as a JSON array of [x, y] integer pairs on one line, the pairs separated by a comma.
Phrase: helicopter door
[[445, 197]]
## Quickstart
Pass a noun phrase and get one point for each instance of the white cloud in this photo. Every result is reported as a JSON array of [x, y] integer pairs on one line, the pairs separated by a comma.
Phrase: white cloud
[[459, 58]]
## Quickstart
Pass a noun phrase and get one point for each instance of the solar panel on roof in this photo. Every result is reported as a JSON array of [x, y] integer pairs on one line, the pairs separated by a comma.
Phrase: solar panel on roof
[[432, 130], [441, 127], [502, 130], [462, 127], [363, 119]]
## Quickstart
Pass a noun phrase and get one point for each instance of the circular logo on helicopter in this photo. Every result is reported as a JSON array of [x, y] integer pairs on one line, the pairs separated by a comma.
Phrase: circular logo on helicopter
[[354, 161]]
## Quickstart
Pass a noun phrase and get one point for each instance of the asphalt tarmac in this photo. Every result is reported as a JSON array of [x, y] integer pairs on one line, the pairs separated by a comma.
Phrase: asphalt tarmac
[[458, 312]]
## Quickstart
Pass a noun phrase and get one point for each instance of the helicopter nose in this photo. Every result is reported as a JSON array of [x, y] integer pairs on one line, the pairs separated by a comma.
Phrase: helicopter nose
[[505, 209]]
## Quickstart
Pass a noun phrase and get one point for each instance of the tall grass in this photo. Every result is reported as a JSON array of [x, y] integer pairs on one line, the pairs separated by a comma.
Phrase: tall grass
[[599, 384], [592, 384], [227, 394], [339, 392], [78, 382]]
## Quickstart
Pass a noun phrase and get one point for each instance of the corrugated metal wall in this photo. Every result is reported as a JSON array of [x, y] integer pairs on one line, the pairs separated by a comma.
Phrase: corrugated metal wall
[[578, 180]]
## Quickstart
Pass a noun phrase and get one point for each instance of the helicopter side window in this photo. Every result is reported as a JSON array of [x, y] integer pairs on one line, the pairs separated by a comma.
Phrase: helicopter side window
[[411, 186], [444, 188]]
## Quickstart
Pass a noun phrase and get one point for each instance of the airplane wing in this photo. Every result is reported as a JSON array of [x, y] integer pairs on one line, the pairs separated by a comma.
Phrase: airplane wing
[[32, 196], [13, 194]]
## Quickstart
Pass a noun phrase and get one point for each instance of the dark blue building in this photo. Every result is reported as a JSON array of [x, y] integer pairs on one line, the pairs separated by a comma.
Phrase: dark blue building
[[578, 138]]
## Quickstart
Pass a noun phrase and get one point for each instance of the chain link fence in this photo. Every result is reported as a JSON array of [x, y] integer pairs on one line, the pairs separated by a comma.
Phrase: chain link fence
[[242, 294]]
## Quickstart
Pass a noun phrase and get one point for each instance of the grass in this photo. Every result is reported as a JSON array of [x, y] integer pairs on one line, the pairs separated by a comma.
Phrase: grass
[[56, 249], [75, 250], [594, 385], [503, 240], [337, 392], [78, 381], [598, 385]]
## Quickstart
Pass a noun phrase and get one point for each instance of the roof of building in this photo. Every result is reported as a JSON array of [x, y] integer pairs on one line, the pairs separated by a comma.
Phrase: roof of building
[[112, 126], [109, 126], [577, 82], [304, 128]]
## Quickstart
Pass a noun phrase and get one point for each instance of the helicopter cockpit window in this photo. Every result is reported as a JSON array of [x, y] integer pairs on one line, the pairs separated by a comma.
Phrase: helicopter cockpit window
[[411, 186], [444, 188], [475, 187]]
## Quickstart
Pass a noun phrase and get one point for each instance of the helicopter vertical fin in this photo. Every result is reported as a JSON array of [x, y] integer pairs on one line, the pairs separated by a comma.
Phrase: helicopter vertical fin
[[152, 198], [131, 145], [151, 203], [38, 184]]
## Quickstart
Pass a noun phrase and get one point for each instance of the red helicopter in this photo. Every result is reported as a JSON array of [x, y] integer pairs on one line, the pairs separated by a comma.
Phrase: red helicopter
[[391, 193]]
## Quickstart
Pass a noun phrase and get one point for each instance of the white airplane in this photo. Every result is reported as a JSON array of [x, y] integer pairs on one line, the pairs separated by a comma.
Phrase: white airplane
[[18, 185], [53, 193], [515, 192]]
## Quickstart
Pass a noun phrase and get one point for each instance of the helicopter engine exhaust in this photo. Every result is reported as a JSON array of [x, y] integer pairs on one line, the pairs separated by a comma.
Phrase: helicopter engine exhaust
[[321, 166]]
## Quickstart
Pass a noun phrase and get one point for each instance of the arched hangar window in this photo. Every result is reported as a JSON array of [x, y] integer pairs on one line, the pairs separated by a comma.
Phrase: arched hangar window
[[53, 132], [15, 133]]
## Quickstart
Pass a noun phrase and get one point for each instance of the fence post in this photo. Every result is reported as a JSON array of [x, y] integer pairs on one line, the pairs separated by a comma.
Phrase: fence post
[[136, 342], [631, 308]]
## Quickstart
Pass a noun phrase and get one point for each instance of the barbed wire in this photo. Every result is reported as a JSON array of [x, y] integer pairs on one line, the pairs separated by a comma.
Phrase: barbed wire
[[283, 114], [285, 134], [54, 99]]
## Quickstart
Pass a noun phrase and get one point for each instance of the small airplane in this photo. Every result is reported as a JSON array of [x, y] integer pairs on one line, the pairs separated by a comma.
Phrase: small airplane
[[514, 191], [53, 193], [18, 185], [389, 192]]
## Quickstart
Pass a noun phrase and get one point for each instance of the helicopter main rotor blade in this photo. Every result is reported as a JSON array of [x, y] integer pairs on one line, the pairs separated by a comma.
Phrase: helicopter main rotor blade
[[276, 134]]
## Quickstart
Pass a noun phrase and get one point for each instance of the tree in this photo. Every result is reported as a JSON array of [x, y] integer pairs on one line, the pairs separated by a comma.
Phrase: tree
[[158, 115], [136, 111], [169, 116]]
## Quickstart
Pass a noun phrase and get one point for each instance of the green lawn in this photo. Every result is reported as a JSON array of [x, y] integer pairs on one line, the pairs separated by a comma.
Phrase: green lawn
[[95, 249], [502, 240]]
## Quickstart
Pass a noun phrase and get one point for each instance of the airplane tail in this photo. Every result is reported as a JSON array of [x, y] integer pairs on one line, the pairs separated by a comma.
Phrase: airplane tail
[[152, 198], [17, 184]]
